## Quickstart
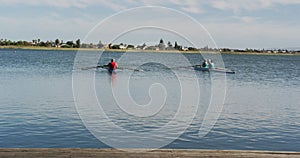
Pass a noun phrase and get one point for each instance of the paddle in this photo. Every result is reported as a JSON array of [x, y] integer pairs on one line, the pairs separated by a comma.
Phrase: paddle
[[102, 66], [196, 66], [185, 66], [127, 68], [95, 67]]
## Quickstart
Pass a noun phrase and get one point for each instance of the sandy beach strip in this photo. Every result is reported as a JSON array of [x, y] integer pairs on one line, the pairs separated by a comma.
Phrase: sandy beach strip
[[126, 153]]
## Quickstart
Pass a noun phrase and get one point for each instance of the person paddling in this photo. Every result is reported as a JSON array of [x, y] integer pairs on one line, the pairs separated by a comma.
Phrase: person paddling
[[112, 65], [204, 64], [211, 65]]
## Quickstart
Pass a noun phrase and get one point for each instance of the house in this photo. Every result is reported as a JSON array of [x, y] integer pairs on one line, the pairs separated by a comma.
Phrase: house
[[152, 48]]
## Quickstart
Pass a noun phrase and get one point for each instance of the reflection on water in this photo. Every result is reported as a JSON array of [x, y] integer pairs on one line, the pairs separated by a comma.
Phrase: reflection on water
[[261, 109]]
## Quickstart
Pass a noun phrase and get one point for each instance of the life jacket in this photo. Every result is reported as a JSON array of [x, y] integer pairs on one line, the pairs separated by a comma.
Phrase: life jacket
[[112, 65]]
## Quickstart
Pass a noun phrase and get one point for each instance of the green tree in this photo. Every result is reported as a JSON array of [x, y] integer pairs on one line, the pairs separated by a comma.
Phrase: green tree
[[70, 44], [176, 46], [48, 43], [78, 43], [161, 41], [34, 41], [57, 42], [42, 44], [169, 44]]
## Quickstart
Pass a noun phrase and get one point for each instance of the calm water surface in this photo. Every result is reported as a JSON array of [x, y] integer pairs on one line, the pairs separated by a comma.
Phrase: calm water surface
[[261, 109]]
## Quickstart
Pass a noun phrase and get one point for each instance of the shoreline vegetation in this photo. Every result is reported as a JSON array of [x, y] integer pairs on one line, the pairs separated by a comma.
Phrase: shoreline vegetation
[[15, 48], [160, 47]]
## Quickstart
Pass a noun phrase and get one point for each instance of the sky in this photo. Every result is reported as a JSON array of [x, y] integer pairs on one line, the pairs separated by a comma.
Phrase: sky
[[259, 24]]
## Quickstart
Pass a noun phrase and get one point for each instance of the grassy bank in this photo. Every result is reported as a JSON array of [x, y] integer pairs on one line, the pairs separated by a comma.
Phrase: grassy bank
[[134, 50]]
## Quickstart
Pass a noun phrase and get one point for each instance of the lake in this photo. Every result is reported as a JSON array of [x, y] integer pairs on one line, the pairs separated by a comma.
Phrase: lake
[[141, 104]]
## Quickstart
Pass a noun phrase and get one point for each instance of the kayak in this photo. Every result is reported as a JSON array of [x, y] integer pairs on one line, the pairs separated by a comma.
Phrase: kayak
[[111, 71], [105, 67], [214, 70]]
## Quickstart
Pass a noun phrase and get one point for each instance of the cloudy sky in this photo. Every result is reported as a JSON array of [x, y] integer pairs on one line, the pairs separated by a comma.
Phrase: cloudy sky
[[231, 23]]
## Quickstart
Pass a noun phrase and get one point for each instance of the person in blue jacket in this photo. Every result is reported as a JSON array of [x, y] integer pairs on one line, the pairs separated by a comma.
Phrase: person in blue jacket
[[211, 65]]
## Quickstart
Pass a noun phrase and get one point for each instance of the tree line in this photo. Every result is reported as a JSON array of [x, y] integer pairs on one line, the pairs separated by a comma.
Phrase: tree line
[[40, 43]]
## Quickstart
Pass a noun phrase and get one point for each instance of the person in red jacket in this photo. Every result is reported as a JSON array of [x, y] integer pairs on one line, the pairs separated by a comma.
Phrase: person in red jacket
[[112, 65]]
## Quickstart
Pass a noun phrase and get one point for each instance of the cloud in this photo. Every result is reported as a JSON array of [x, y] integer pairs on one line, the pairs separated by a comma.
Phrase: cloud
[[237, 6], [111, 4], [114, 5], [246, 19], [191, 6], [250, 5], [234, 30], [254, 35], [51, 3], [45, 27]]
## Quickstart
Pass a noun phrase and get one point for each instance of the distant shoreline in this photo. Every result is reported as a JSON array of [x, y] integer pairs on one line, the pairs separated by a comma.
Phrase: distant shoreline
[[137, 50]]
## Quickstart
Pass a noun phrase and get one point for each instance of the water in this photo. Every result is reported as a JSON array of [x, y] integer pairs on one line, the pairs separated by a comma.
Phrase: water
[[261, 109]]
